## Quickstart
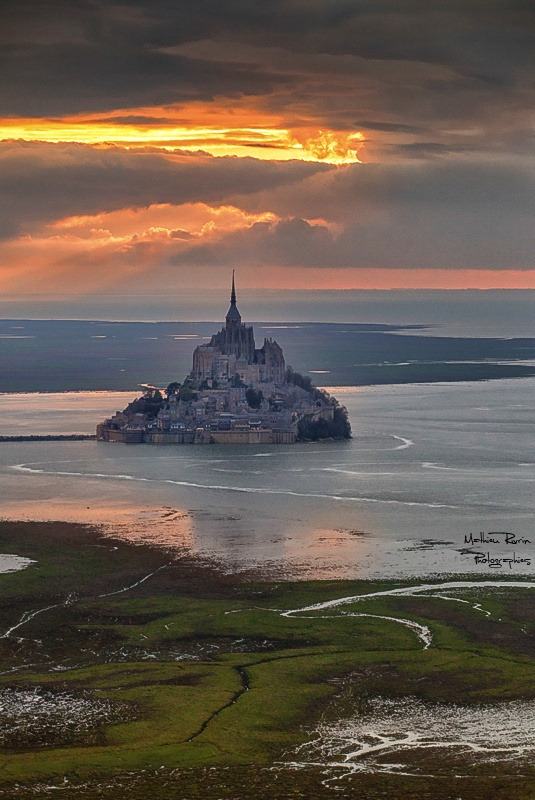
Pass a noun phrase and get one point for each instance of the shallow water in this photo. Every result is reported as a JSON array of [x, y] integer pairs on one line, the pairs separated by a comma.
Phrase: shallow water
[[57, 413], [12, 563], [410, 736], [429, 466]]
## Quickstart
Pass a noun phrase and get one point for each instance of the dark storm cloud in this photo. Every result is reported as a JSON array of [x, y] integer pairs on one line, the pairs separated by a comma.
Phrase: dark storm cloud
[[67, 78], [66, 57], [289, 243], [429, 83], [425, 149], [388, 127], [438, 213], [453, 215], [43, 182], [340, 195], [61, 57]]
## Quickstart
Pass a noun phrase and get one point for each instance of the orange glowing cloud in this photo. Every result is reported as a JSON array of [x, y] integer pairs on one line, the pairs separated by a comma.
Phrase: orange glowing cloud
[[77, 256], [192, 219], [160, 245], [220, 130], [81, 254]]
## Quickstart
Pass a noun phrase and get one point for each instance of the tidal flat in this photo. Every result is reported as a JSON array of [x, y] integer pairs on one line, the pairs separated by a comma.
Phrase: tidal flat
[[134, 671]]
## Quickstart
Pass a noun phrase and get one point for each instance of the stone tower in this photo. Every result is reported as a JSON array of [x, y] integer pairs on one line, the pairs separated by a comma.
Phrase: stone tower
[[236, 338], [232, 352]]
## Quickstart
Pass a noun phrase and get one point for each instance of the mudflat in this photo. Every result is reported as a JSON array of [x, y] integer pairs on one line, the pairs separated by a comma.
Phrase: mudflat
[[131, 671]]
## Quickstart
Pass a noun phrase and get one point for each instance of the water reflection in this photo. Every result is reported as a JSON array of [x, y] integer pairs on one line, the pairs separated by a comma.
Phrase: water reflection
[[425, 469]]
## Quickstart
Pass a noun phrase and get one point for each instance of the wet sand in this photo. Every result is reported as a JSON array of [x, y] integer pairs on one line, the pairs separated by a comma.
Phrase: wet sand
[[421, 664]]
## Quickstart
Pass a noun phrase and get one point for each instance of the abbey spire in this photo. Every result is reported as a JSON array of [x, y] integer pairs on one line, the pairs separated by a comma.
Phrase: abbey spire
[[233, 315], [233, 291], [231, 355]]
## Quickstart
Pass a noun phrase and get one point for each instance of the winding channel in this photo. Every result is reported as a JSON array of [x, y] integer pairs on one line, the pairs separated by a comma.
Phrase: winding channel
[[422, 631]]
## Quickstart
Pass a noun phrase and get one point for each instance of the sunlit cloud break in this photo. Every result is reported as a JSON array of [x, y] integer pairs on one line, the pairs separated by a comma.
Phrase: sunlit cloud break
[[265, 143]]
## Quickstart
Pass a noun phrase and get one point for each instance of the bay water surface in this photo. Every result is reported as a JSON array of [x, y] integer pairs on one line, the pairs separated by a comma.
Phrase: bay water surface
[[437, 479]]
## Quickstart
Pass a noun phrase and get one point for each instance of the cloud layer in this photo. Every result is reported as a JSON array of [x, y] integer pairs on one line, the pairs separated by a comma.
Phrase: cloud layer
[[134, 102]]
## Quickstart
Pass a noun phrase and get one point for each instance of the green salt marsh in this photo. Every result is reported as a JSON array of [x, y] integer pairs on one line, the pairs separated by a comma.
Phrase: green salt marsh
[[206, 683]]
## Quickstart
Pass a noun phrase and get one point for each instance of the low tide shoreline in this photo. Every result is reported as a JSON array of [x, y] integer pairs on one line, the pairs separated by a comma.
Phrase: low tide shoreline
[[182, 657], [52, 437]]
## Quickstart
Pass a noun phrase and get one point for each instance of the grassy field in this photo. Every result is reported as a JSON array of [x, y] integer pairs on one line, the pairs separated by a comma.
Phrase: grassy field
[[147, 674]]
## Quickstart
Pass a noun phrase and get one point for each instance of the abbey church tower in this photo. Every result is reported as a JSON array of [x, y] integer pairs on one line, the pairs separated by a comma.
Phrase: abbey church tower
[[232, 352], [236, 338]]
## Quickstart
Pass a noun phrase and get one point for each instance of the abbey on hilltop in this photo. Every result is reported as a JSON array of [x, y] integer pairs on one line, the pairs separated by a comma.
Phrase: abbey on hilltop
[[234, 394], [232, 352]]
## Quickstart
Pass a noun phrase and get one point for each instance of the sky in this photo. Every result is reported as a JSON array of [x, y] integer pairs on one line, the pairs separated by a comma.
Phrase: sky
[[148, 148]]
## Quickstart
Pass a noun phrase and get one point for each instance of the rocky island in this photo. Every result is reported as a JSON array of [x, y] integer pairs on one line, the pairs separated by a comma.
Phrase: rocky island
[[235, 393]]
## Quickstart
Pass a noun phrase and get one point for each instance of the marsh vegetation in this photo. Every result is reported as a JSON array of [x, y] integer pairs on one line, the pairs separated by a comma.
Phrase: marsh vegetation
[[154, 674]]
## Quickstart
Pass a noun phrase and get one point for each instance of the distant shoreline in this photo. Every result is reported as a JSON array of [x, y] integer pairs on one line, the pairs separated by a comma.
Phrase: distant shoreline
[[118, 357], [382, 375], [60, 437]]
